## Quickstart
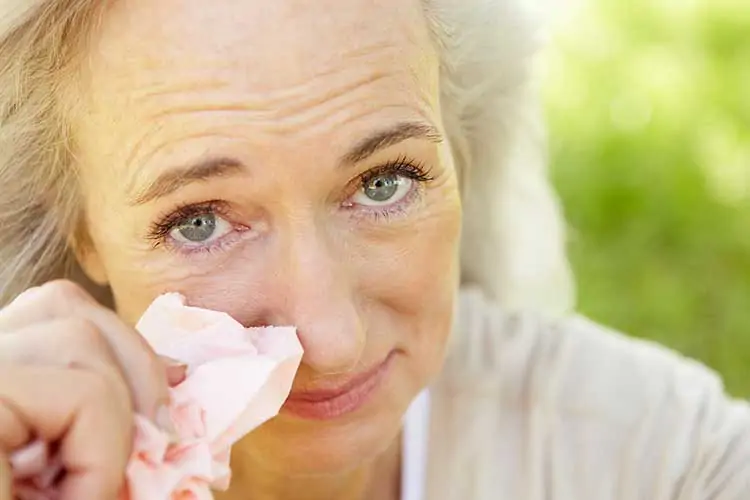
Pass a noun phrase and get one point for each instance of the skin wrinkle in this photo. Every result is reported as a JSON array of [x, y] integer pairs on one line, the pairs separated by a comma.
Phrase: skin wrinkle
[[273, 106], [178, 177], [286, 88], [288, 119], [275, 109], [273, 100], [270, 129]]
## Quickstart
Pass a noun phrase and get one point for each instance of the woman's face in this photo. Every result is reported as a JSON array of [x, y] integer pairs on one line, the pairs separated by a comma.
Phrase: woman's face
[[284, 162]]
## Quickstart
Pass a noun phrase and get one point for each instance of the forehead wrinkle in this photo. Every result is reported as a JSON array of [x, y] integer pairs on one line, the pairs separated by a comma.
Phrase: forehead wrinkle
[[281, 120], [296, 129], [162, 89], [279, 98], [271, 121], [140, 169], [281, 111], [267, 107]]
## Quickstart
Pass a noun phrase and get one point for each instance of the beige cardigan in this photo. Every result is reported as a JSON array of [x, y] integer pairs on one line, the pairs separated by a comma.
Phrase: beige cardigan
[[529, 409]]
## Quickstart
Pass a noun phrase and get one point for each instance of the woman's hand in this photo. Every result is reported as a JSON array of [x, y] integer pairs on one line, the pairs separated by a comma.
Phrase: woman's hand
[[71, 373]]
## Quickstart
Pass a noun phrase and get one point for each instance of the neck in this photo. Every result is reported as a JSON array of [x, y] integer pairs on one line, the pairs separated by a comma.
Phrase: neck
[[380, 479]]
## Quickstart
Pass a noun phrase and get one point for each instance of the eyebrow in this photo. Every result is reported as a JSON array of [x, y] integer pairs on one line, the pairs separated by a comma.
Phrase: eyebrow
[[179, 177], [390, 137]]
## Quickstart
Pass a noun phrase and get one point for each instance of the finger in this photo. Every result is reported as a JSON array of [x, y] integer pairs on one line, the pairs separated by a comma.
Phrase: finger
[[144, 373], [64, 342], [6, 479], [67, 343], [77, 408], [13, 431], [40, 304]]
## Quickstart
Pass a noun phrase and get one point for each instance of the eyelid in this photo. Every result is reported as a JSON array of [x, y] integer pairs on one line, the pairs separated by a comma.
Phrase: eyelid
[[405, 167], [402, 165], [220, 224], [160, 229], [398, 196]]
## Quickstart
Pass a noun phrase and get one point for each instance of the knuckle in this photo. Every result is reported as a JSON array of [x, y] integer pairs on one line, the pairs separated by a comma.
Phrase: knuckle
[[103, 387], [85, 332], [98, 387], [63, 293], [107, 391]]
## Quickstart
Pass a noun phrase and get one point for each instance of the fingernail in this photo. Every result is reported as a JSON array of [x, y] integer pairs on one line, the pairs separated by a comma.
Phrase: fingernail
[[176, 374], [29, 460]]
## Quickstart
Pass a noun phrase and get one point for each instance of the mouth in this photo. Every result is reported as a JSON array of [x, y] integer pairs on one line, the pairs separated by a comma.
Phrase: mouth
[[335, 402]]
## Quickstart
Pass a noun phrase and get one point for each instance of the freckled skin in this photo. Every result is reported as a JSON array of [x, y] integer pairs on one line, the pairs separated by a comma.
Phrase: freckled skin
[[286, 87]]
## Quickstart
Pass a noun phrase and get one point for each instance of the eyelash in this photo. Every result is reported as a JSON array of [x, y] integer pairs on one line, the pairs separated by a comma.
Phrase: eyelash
[[416, 171], [403, 166], [159, 231]]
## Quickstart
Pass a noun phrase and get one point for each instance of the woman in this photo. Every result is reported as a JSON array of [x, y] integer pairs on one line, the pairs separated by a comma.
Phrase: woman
[[319, 164]]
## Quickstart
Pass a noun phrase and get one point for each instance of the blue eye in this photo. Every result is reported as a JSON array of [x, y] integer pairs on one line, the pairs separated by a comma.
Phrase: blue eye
[[383, 189], [202, 228]]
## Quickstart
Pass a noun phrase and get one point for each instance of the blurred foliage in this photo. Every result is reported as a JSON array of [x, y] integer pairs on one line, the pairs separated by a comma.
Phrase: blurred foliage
[[649, 109]]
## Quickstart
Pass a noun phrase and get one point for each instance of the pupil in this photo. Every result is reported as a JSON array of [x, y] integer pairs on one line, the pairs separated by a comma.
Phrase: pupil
[[199, 228], [382, 188]]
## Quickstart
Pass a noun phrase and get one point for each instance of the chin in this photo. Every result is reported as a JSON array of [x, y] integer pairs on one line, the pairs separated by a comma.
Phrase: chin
[[334, 451], [299, 447]]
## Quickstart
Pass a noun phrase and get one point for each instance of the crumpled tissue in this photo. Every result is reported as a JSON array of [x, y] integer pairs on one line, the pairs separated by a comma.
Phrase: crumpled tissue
[[237, 378]]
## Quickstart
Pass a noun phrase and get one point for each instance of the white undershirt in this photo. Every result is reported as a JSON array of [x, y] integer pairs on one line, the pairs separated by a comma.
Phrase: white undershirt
[[415, 447]]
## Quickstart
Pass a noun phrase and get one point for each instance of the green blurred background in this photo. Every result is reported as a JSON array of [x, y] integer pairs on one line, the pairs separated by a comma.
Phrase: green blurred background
[[649, 108]]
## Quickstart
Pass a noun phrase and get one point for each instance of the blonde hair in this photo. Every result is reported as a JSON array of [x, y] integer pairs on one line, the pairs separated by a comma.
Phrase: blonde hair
[[513, 243]]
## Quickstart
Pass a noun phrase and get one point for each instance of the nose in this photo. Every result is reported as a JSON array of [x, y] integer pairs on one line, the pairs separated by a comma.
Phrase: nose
[[316, 294]]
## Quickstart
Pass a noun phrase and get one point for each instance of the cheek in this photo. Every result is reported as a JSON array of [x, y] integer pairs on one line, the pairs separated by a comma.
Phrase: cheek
[[138, 276], [233, 292], [418, 262], [408, 273], [414, 279]]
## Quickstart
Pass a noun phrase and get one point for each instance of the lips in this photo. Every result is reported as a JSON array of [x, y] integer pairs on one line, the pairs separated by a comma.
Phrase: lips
[[337, 401]]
